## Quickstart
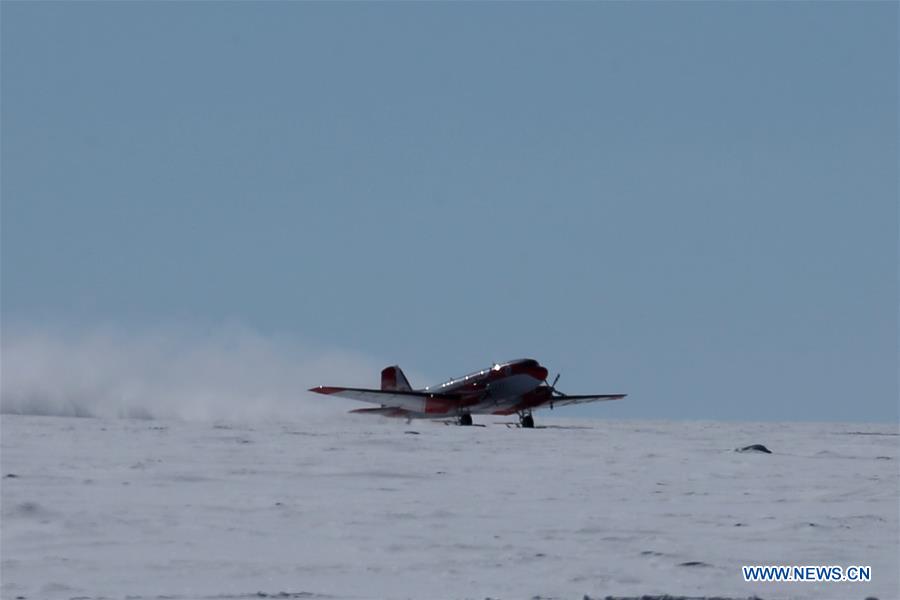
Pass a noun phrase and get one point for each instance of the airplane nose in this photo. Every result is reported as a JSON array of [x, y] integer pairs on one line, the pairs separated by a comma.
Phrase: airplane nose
[[540, 373]]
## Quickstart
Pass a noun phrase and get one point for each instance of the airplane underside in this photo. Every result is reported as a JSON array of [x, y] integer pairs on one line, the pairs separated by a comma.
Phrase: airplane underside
[[462, 417]]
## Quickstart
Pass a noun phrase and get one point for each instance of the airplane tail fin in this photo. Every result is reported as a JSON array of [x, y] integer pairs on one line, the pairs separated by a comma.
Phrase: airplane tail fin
[[393, 379]]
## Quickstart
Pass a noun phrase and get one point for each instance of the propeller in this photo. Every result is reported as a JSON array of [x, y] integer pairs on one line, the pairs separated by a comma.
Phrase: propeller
[[553, 385], [554, 393]]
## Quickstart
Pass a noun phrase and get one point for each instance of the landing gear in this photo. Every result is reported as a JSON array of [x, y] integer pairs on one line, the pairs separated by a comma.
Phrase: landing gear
[[526, 420], [465, 419]]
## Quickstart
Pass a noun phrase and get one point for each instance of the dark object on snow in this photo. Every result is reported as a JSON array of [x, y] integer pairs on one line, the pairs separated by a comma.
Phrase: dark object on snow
[[10, 476], [754, 448], [411, 432]]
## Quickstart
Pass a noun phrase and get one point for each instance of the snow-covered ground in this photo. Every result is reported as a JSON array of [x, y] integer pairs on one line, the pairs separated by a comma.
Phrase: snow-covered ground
[[354, 507]]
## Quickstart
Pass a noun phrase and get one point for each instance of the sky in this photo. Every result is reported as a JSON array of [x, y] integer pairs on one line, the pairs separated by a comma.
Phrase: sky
[[692, 203]]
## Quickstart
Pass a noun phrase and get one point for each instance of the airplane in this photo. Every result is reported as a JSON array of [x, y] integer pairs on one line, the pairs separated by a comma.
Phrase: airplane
[[516, 387]]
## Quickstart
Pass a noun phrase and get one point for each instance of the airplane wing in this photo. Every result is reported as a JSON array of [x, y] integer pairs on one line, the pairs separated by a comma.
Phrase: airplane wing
[[409, 400], [567, 400], [386, 411]]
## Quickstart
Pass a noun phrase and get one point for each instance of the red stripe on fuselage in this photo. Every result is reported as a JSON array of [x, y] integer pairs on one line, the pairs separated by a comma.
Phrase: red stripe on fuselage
[[439, 406], [478, 381]]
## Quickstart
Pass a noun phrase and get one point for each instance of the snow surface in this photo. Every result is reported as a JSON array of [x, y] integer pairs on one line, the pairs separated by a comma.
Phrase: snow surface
[[356, 507]]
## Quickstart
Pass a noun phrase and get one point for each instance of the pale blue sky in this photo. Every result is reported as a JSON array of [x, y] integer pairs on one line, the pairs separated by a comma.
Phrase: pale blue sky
[[693, 203]]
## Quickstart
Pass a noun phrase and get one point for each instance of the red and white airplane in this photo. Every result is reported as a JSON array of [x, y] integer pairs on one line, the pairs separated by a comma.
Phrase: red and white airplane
[[514, 387]]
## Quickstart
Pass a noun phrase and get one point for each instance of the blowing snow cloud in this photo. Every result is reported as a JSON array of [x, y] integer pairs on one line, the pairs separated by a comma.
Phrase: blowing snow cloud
[[232, 374]]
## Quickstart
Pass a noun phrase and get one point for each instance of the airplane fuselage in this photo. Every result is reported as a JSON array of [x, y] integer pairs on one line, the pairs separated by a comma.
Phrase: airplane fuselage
[[503, 389]]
